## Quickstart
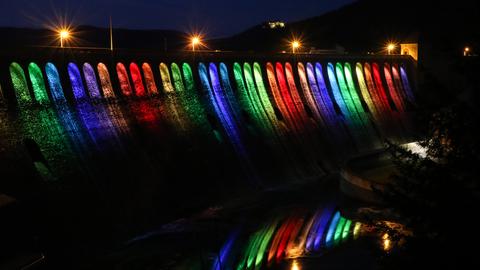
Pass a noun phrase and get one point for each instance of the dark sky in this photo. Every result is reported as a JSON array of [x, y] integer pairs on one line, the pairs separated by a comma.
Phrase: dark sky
[[216, 17]]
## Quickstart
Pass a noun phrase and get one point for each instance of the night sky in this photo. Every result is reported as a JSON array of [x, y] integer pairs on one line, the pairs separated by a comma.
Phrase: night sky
[[215, 17]]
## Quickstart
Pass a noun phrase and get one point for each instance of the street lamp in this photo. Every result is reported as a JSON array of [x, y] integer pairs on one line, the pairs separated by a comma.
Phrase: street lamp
[[390, 48], [64, 35], [195, 40], [466, 51], [295, 45]]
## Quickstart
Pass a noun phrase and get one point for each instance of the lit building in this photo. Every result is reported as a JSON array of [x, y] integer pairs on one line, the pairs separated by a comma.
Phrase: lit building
[[274, 24], [409, 49]]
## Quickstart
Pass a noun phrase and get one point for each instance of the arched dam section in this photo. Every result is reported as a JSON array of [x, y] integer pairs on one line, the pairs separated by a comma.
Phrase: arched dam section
[[276, 118]]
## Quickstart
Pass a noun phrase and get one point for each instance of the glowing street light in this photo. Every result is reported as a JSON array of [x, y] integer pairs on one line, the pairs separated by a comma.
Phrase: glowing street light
[[195, 40], [64, 35], [390, 48], [466, 51], [295, 45]]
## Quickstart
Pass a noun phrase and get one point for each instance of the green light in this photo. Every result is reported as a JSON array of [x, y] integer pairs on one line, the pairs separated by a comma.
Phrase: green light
[[251, 243], [265, 242], [279, 134], [252, 249], [344, 90], [20, 84], [191, 102], [339, 229], [255, 98], [352, 89], [176, 112], [267, 105], [255, 247], [346, 229], [245, 100], [38, 84]]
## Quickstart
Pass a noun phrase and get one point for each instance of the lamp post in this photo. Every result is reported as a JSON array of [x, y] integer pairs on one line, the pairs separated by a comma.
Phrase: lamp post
[[64, 35], [295, 45], [466, 51], [390, 48], [195, 40]]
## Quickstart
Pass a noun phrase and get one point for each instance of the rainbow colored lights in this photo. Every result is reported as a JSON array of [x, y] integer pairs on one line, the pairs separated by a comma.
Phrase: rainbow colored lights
[[288, 238], [298, 111]]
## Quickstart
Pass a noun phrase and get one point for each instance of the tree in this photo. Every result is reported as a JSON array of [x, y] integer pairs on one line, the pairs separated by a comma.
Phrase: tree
[[438, 196]]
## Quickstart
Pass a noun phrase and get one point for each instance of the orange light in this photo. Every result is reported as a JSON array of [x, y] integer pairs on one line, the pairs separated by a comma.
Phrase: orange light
[[386, 242], [195, 40], [295, 45], [391, 47], [64, 34]]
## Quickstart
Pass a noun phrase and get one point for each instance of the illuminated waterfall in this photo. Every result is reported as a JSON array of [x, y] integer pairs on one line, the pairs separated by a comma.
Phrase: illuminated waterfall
[[323, 98], [308, 94], [352, 89], [298, 117], [38, 84], [105, 81], [365, 92], [336, 91], [377, 100], [91, 80], [406, 85], [379, 86], [394, 91], [19, 84], [53, 78], [228, 92], [149, 79], [297, 101], [137, 80], [76, 82], [123, 79]]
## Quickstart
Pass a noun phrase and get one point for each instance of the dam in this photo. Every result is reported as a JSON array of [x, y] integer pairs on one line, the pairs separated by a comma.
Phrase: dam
[[301, 114], [149, 137]]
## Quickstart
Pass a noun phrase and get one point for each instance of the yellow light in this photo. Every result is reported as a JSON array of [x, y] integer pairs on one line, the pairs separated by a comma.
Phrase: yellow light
[[295, 45], [295, 265], [391, 47], [386, 242], [195, 40], [64, 34], [467, 49]]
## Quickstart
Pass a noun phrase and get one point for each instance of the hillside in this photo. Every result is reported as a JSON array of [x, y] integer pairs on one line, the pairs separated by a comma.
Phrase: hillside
[[367, 24]]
